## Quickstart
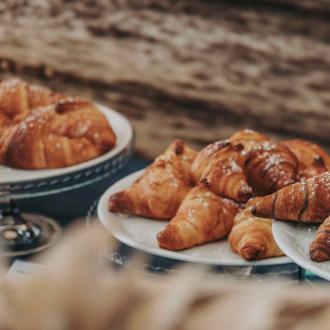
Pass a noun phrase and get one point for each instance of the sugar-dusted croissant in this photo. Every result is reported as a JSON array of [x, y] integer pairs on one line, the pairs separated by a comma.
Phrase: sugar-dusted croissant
[[270, 166], [312, 159], [202, 217], [18, 99], [65, 133], [307, 201], [319, 249], [248, 138], [252, 237], [159, 192], [221, 166]]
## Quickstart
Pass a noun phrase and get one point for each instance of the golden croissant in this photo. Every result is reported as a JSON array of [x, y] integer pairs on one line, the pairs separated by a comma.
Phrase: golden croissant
[[41, 129], [252, 237], [159, 192], [221, 166], [18, 99], [270, 166], [202, 217], [248, 138], [59, 135], [312, 159], [319, 249], [307, 201]]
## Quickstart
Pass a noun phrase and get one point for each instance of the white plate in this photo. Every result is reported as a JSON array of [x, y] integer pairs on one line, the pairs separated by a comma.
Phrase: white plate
[[294, 240], [140, 233], [122, 129]]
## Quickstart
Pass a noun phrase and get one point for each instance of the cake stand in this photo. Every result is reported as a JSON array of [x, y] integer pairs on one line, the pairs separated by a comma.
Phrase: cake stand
[[24, 234]]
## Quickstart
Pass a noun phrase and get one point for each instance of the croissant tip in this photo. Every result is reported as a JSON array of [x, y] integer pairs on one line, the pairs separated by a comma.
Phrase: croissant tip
[[168, 239], [319, 255], [120, 203], [250, 252]]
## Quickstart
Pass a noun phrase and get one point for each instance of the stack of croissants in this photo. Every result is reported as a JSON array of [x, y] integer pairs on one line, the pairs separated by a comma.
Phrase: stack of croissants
[[234, 187], [42, 129]]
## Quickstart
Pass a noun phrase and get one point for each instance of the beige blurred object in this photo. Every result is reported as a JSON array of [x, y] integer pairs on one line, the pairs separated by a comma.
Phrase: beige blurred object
[[77, 290], [203, 69]]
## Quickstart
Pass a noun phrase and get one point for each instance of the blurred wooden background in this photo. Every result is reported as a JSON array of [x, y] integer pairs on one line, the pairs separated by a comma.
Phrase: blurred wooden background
[[190, 69]]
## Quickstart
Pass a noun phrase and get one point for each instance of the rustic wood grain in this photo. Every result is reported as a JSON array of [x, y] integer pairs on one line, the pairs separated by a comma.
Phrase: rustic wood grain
[[196, 70]]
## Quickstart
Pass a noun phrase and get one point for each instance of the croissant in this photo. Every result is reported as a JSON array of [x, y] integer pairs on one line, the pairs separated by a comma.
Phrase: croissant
[[312, 159], [319, 249], [307, 201], [159, 192], [18, 99], [270, 166], [202, 217], [62, 134], [248, 138], [221, 166], [42, 129], [252, 237]]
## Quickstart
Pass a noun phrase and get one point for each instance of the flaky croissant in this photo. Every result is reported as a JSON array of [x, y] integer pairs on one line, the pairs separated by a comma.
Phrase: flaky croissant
[[202, 217], [312, 159], [270, 166], [248, 138], [252, 237], [307, 201], [159, 192], [221, 166], [65, 133], [42, 129], [319, 249], [18, 99]]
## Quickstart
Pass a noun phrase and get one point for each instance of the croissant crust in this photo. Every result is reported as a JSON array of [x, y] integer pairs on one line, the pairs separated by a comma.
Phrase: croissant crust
[[221, 166], [307, 201], [319, 249], [159, 192], [312, 159], [270, 166], [41, 129], [202, 217], [252, 237]]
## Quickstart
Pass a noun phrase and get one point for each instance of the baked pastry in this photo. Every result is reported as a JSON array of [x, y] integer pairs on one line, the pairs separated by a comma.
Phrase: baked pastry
[[312, 159], [18, 99], [270, 166], [248, 138], [307, 201], [252, 237], [202, 217], [159, 192], [319, 249], [62, 134], [41, 129], [221, 166]]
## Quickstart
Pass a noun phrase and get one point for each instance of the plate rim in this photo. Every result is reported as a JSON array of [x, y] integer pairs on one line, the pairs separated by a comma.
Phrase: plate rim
[[173, 254], [71, 170], [311, 265]]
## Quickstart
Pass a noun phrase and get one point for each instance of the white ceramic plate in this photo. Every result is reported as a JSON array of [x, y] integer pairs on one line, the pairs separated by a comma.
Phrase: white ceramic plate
[[122, 129], [140, 233], [294, 240]]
